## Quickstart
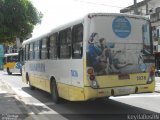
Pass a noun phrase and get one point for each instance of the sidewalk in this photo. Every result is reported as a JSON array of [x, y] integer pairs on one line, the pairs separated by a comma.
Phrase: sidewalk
[[10, 107], [157, 87]]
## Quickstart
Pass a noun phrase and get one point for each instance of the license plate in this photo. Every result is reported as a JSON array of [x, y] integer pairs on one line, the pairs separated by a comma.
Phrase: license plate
[[123, 76], [124, 90]]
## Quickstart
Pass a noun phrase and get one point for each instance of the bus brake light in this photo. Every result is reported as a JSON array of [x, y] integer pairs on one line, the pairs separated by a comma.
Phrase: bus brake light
[[92, 77], [90, 71]]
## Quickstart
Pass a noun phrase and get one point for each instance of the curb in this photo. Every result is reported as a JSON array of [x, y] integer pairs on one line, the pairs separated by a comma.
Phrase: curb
[[157, 87], [31, 111], [27, 109]]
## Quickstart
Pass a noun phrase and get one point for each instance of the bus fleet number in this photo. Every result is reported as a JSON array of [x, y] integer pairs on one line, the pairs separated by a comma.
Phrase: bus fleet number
[[141, 77]]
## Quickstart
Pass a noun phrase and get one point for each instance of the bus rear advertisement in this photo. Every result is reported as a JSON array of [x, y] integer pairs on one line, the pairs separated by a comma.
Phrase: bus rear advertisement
[[97, 56]]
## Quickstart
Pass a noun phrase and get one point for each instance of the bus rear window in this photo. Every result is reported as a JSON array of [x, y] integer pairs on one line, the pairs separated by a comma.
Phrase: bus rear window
[[147, 45], [12, 59]]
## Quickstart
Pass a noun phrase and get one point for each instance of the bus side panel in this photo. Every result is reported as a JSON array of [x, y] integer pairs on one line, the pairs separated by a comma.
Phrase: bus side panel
[[39, 74], [87, 22], [24, 74], [77, 73], [69, 78], [60, 70], [48, 86], [71, 93], [76, 90]]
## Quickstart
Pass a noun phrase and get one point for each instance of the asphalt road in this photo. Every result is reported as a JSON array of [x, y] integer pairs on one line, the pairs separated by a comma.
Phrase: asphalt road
[[125, 107]]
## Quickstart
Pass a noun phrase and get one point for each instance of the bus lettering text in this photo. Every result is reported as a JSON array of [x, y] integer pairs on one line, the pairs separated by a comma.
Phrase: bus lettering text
[[141, 77]]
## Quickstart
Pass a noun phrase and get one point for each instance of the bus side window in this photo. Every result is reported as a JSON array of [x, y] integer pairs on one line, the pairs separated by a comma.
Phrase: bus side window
[[44, 49], [40, 49], [77, 45], [36, 49], [4, 60], [27, 52], [21, 55], [31, 51], [65, 43], [147, 45], [48, 47], [53, 46], [24, 52]]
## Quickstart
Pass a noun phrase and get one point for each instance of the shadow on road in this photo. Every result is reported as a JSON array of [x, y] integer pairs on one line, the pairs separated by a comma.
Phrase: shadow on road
[[109, 109], [11, 108]]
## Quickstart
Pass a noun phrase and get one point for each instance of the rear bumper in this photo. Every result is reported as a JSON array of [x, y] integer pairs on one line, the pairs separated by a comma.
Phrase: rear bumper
[[12, 70], [91, 93]]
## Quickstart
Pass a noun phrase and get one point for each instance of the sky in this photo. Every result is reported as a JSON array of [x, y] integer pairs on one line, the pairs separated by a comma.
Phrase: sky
[[59, 12]]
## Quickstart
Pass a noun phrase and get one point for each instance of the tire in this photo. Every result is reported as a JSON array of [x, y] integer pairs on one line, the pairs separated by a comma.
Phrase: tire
[[54, 92], [20, 71], [8, 71], [30, 86]]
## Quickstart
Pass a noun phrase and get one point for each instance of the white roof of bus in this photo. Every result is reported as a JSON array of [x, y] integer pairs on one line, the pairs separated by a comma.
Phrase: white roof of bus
[[61, 27], [10, 54], [80, 20]]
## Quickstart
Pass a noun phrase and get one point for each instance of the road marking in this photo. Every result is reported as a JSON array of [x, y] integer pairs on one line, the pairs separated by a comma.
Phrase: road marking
[[41, 104]]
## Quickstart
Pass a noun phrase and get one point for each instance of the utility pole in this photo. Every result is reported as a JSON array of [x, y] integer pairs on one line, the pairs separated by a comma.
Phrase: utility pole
[[135, 7]]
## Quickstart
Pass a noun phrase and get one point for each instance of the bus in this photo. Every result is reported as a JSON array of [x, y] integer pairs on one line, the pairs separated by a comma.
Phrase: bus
[[12, 64], [1, 56], [96, 56]]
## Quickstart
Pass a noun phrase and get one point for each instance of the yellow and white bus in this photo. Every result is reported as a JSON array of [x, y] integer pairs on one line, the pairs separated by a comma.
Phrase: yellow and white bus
[[97, 56], [11, 64]]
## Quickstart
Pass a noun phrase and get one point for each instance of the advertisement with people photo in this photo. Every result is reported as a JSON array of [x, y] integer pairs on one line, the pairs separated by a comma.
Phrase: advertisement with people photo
[[120, 56]]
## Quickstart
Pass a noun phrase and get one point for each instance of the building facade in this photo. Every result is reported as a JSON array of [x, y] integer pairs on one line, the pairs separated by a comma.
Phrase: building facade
[[150, 9]]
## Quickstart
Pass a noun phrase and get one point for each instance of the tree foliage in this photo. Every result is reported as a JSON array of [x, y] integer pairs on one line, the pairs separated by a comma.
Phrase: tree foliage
[[17, 19]]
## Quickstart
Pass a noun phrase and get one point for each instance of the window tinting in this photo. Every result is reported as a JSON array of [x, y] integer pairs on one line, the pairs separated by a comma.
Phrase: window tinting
[[44, 49], [31, 51], [65, 43], [12, 58], [36, 49], [27, 52], [77, 46], [53, 46]]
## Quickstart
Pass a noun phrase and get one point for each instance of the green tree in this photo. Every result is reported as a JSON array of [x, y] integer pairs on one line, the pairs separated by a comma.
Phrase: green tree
[[17, 19]]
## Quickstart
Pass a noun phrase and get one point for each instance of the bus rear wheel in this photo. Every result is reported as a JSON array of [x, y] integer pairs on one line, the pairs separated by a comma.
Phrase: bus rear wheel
[[8, 71], [54, 92], [21, 71]]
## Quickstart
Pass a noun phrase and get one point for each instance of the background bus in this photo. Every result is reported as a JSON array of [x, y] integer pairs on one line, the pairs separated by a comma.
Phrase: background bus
[[1, 56], [98, 56], [11, 64]]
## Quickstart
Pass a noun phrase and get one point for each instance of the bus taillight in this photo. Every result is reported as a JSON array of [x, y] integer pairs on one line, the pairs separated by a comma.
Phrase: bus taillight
[[92, 78], [90, 71]]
